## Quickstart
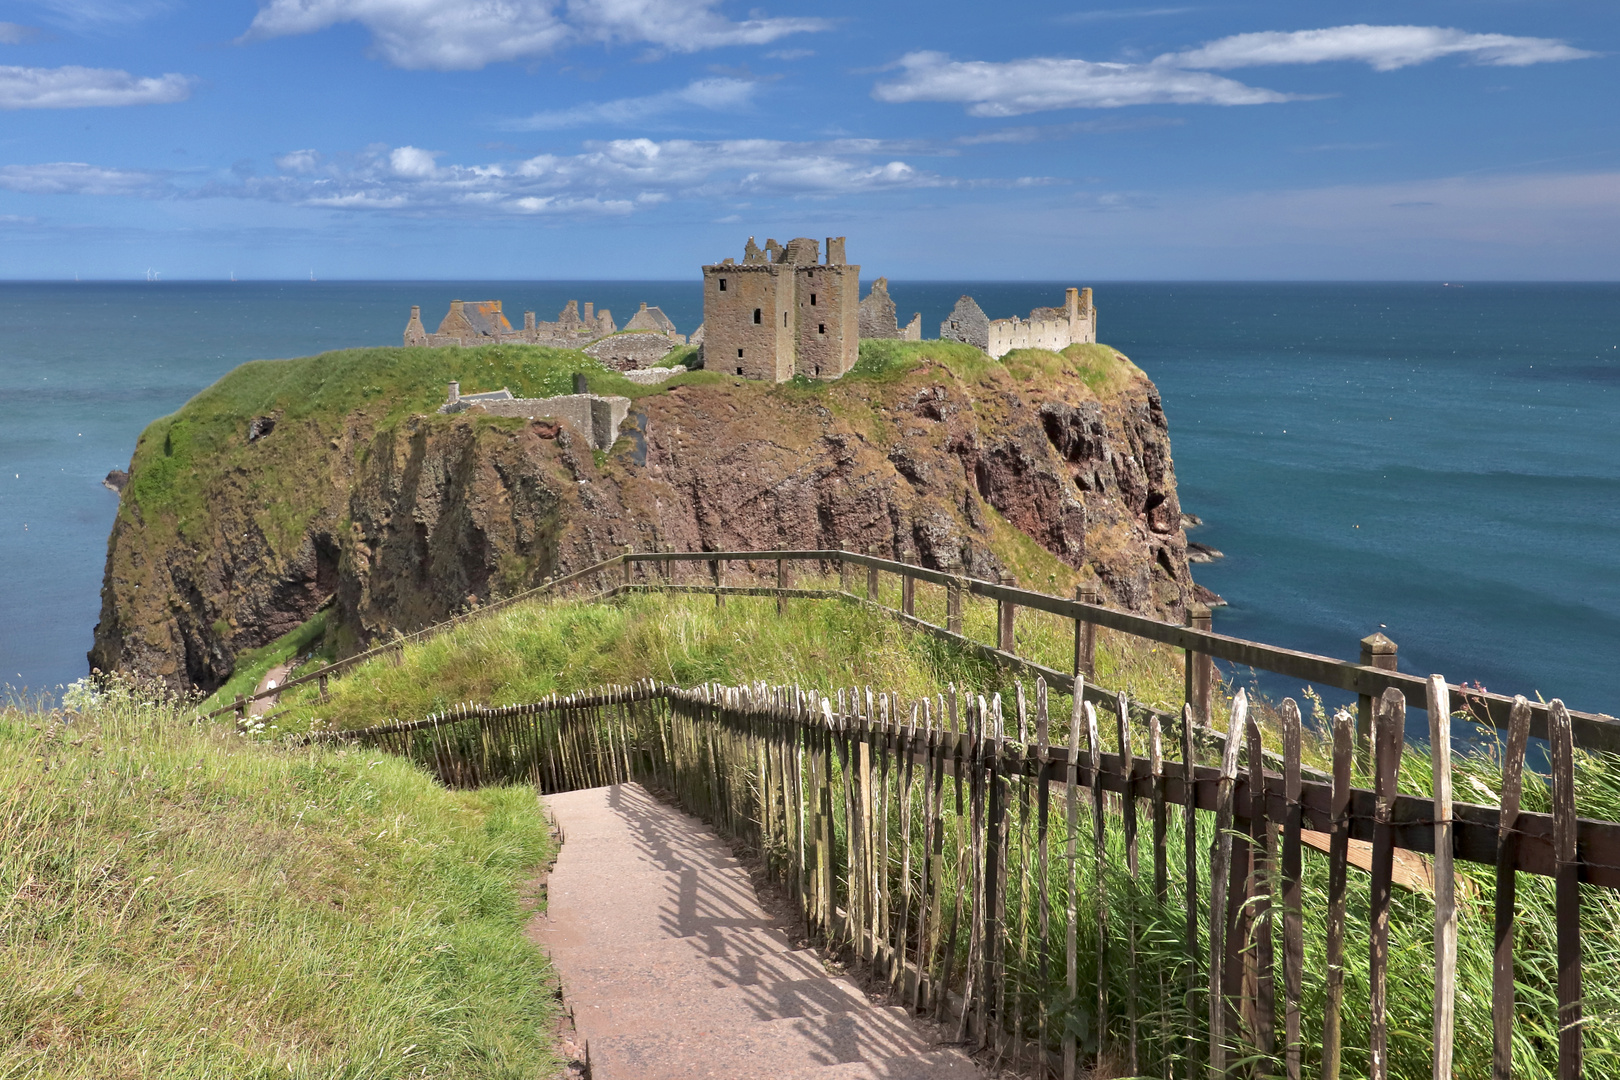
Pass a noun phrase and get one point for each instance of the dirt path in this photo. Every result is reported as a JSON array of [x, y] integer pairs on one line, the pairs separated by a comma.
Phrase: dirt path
[[272, 679], [674, 971]]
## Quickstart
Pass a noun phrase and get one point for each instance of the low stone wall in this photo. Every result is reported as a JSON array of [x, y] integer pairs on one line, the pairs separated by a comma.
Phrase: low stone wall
[[640, 349], [596, 417]]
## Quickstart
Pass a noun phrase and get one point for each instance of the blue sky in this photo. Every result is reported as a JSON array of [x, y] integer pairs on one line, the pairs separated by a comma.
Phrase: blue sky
[[640, 138]]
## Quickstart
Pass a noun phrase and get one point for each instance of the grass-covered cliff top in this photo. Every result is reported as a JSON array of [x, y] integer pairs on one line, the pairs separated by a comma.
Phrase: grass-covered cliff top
[[385, 385]]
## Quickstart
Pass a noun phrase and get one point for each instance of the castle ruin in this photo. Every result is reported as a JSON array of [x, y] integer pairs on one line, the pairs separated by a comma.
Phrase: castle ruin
[[782, 312], [648, 337], [877, 318], [1046, 328]]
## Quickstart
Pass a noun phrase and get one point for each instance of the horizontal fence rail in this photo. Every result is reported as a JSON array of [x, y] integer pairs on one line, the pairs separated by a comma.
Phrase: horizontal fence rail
[[1592, 731], [921, 834]]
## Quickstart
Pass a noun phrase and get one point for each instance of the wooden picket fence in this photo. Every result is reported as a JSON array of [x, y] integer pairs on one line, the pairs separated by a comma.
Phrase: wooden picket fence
[[986, 859]]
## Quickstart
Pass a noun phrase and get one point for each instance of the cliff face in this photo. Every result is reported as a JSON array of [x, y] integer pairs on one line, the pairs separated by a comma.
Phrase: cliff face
[[1043, 466]]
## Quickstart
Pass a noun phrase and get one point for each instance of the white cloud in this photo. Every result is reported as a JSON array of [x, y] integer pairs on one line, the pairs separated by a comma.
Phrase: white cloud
[[1024, 86], [81, 87], [77, 178], [16, 34], [408, 161], [719, 95], [1386, 48], [789, 54], [298, 161], [453, 35], [616, 176]]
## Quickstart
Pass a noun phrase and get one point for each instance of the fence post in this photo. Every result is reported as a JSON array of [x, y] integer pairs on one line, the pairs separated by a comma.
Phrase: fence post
[[953, 605], [627, 563], [908, 594], [1200, 668], [719, 582], [323, 687], [241, 708], [1085, 633], [1006, 611], [871, 579], [1379, 652], [843, 574], [781, 583]]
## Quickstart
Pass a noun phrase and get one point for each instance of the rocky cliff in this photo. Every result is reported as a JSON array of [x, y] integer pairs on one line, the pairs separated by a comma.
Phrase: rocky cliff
[[1042, 466]]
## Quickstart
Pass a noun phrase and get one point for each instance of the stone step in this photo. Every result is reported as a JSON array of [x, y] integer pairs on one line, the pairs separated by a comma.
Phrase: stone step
[[791, 1046]]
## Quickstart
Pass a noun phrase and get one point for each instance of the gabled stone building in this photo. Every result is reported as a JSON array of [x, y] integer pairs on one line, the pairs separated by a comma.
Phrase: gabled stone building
[[782, 312]]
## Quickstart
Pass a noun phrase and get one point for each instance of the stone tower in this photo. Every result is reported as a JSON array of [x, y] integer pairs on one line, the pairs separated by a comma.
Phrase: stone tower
[[782, 312]]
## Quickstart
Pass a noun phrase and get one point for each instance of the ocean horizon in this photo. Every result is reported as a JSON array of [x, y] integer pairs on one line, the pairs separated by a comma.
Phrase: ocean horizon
[[1434, 461]]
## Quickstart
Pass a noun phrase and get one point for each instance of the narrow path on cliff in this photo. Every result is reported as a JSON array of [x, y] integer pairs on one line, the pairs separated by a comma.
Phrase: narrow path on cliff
[[273, 678], [674, 970]]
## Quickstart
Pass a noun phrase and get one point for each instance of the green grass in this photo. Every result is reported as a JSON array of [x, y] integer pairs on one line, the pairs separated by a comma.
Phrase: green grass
[[176, 901], [529, 650], [254, 664]]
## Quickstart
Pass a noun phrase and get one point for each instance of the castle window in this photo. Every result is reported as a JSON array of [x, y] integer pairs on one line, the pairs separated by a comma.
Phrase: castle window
[[739, 371], [823, 329], [812, 299], [756, 317], [722, 284], [784, 318], [739, 354]]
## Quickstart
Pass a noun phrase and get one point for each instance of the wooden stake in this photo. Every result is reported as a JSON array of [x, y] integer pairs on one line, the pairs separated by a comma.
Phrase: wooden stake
[[1445, 897], [1389, 725], [1507, 881], [1073, 776], [1220, 865], [1567, 878], [1293, 909]]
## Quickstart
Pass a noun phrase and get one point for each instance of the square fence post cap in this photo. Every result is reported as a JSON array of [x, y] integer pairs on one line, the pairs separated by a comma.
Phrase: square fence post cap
[[1378, 645]]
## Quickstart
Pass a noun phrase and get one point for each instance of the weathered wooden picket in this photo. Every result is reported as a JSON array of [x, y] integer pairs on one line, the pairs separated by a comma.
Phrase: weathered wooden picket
[[920, 835]]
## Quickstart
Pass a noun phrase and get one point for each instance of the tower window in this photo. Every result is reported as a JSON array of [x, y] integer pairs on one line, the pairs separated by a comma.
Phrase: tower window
[[823, 329], [739, 354], [812, 299], [784, 318], [756, 317], [739, 371], [722, 284]]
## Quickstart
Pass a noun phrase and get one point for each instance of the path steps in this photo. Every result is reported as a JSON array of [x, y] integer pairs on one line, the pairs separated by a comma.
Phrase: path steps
[[674, 971]]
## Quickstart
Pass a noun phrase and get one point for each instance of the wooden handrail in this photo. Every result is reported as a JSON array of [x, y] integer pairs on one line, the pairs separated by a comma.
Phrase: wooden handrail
[[1593, 731]]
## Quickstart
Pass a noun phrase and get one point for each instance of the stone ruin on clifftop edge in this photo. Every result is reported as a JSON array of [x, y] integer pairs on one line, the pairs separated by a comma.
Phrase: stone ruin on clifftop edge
[[646, 339], [783, 311]]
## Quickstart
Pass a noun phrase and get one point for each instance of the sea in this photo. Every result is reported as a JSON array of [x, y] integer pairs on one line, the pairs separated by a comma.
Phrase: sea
[[1439, 462]]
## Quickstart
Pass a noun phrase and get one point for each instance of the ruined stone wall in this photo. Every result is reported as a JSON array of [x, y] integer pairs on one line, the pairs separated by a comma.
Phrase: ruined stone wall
[[877, 312], [967, 323], [734, 342], [596, 417], [829, 320], [637, 349]]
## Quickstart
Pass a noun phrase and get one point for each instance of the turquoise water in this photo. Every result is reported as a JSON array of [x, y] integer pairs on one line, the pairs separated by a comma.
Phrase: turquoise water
[[1439, 463]]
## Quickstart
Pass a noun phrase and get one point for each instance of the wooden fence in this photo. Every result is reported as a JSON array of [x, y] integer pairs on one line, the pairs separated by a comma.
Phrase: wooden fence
[[1369, 679], [987, 860]]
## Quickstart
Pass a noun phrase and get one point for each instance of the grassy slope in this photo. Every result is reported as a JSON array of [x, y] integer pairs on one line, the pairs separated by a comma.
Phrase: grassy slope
[[527, 651], [178, 902]]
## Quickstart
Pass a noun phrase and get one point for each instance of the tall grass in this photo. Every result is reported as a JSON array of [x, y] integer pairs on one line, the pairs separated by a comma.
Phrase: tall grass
[[176, 901], [529, 650]]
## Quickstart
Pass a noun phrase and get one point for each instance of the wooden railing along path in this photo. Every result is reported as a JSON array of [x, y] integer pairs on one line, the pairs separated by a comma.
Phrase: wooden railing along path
[[921, 835], [1369, 678]]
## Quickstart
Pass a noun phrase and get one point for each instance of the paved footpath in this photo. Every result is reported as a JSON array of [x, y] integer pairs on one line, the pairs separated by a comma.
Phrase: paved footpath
[[674, 971]]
